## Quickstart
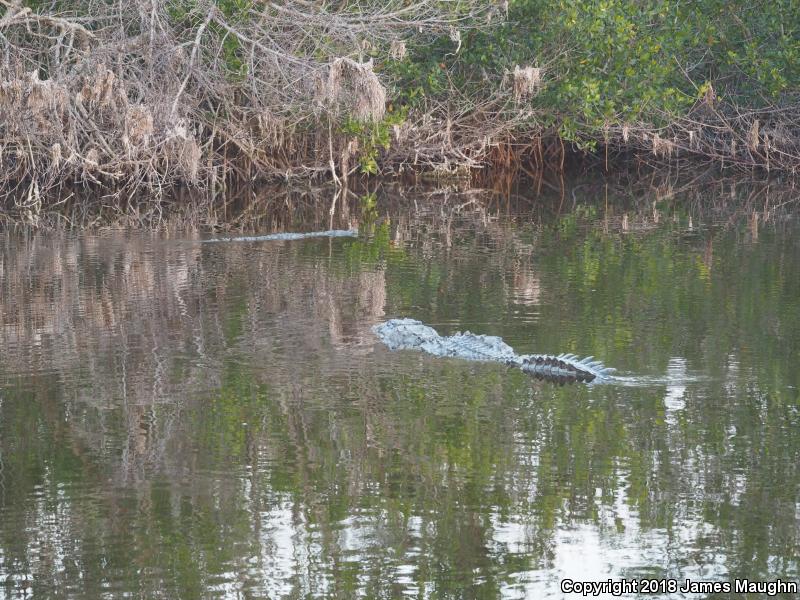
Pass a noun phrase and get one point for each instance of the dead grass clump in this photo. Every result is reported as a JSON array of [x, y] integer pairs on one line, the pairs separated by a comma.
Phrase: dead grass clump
[[138, 127], [356, 87], [753, 136], [182, 148], [99, 88], [45, 100], [397, 51], [662, 147], [91, 162], [527, 81], [190, 158], [10, 94], [710, 95], [271, 129], [55, 156]]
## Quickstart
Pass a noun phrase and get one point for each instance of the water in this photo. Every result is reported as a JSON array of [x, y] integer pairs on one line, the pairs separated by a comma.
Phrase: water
[[180, 419]]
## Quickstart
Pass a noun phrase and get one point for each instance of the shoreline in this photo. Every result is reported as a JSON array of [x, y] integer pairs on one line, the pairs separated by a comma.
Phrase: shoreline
[[258, 209]]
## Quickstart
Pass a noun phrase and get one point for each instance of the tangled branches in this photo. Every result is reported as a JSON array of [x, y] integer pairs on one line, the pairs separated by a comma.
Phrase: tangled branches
[[153, 93], [767, 138], [149, 94]]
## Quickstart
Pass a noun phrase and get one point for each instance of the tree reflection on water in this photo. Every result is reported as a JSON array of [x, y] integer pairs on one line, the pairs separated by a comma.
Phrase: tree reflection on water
[[182, 420]]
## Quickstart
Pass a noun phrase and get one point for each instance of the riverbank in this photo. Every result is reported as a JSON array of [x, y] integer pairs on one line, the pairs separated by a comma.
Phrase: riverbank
[[121, 100], [303, 206]]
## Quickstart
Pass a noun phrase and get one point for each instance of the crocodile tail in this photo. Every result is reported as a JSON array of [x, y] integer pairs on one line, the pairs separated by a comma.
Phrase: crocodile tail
[[565, 368]]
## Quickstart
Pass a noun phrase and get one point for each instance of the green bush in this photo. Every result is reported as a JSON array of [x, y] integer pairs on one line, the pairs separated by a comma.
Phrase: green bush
[[616, 61]]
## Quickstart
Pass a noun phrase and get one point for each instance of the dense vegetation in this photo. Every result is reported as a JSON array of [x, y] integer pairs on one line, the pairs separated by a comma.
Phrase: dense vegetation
[[124, 95], [648, 74]]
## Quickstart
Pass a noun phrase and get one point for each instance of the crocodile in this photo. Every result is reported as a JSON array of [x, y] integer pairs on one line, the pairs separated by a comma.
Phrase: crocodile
[[410, 334], [288, 236]]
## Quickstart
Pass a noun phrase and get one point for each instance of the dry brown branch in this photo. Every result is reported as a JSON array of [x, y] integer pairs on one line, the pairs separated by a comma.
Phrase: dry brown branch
[[17, 15]]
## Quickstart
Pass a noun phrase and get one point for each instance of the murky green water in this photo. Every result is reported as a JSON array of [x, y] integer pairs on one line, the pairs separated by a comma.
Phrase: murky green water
[[192, 420]]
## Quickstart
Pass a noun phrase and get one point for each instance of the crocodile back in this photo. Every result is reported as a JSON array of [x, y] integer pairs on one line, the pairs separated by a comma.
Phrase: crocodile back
[[410, 334]]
